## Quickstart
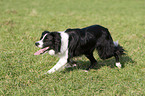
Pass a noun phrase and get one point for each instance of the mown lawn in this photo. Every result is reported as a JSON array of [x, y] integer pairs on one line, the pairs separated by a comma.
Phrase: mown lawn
[[22, 73]]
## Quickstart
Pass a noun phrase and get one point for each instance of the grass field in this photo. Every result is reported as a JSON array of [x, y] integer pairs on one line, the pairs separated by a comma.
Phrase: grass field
[[22, 73]]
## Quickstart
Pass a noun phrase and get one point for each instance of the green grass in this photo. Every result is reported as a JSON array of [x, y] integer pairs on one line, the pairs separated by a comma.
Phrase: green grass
[[21, 24]]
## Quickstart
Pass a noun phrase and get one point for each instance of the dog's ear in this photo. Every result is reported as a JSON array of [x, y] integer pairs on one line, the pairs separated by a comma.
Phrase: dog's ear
[[57, 41], [43, 33]]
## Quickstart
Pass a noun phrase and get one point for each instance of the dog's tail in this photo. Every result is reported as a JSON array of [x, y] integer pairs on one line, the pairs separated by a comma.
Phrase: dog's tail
[[118, 50]]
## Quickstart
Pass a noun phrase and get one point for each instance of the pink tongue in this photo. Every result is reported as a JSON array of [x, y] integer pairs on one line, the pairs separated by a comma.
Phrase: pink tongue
[[41, 51]]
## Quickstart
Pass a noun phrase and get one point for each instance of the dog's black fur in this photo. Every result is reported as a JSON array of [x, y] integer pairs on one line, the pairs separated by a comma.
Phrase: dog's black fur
[[84, 41]]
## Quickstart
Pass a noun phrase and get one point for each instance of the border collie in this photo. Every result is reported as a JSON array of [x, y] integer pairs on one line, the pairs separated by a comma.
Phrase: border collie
[[77, 42]]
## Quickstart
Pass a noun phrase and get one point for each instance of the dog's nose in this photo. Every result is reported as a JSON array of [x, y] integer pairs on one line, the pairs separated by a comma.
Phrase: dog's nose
[[37, 44]]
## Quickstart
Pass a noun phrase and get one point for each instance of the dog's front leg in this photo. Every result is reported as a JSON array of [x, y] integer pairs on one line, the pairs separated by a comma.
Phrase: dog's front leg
[[59, 65]]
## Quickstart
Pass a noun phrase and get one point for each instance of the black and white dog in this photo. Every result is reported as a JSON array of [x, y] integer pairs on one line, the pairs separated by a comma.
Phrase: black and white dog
[[76, 42]]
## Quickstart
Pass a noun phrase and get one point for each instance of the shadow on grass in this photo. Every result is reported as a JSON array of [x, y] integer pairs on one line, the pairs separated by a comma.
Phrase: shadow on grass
[[108, 62]]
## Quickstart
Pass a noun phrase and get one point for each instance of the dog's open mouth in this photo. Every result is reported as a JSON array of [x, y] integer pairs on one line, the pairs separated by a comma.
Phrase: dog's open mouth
[[41, 51]]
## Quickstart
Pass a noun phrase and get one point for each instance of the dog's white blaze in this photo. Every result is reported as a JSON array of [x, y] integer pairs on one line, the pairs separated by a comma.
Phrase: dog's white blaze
[[118, 64], [41, 41], [63, 55]]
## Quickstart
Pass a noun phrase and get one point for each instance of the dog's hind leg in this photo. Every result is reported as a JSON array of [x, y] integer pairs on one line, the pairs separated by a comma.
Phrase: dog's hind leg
[[71, 63], [92, 60], [117, 61], [118, 52]]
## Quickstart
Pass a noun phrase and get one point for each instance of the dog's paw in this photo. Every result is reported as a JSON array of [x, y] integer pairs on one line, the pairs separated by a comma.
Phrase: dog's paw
[[85, 70], [74, 65], [118, 65], [50, 72], [70, 65]]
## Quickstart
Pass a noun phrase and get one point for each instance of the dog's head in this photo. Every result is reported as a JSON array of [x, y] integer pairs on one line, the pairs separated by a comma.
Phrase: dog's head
[[45, 40], [48, 41]]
